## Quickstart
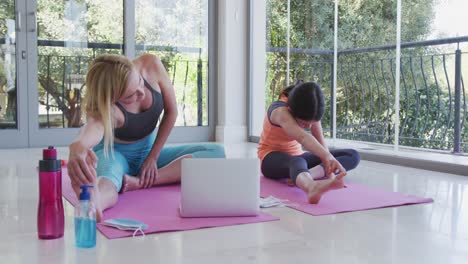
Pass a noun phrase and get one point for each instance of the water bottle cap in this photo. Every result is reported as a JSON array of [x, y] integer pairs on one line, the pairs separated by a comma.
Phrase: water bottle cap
[[49, 153], [85, 195]]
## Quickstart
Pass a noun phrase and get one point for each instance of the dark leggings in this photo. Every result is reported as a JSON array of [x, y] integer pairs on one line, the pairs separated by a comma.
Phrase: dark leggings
[[278, 165]]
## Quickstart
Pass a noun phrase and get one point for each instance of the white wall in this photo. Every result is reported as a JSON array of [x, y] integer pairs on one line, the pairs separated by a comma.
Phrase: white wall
[[233, 48], [258, 65]]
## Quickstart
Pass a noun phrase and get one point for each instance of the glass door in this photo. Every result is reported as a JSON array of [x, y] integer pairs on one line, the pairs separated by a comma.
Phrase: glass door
[[63, 38], [178, 32], [47, 45], [13, 89]]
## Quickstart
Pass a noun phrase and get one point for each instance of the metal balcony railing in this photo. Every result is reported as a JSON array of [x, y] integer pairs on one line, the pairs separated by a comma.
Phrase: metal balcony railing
[[433, 106], [433, 101], [62, 79]]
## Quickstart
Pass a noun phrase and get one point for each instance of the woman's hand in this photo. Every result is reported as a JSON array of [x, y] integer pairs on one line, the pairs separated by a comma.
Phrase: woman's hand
[[148, 173], [81, 164], [332, 166]]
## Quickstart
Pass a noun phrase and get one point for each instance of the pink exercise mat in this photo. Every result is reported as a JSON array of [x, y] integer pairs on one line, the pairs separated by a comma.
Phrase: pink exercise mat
[[159, 209], [355, 197]]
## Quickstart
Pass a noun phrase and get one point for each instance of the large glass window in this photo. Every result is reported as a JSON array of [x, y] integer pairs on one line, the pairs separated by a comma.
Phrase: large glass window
[[177, 31], [432, 94], [70, 34], [8, 91], [52, 43], [276, 47], [432, 35], [307, 55], [365, 88]]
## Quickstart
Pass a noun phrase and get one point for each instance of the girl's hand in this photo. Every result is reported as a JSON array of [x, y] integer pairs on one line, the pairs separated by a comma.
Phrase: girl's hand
[[81, 165], [332, 166], [148, 173]]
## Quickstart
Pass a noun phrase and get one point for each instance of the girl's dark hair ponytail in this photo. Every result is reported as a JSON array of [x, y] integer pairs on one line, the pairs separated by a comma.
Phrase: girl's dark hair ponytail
[[288, 89], [306, 101]]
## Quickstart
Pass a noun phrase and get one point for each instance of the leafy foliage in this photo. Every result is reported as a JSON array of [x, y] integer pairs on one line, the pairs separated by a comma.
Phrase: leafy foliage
[[365, 88]]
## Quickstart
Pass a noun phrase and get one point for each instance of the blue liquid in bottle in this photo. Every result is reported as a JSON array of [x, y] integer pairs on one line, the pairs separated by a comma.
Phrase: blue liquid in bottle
[[85, 220], [85, 232]]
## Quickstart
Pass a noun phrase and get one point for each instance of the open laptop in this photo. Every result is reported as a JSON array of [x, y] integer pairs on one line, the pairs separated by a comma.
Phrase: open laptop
[[220, 187]]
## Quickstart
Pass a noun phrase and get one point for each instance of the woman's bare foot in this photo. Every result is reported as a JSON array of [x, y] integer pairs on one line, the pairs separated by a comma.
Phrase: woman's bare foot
[[96, 198], [317, 188], [98, 213], [76, 188], [130, 183]]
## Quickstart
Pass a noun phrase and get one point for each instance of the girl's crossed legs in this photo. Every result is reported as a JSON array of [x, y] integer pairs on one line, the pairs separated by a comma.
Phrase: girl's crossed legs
[[303, 170]]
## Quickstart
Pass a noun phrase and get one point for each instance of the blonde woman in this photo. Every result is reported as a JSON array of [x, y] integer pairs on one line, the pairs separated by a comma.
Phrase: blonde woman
[[118, 149]]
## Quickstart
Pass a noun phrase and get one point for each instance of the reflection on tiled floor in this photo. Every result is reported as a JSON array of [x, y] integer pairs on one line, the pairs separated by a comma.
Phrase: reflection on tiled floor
[[428, 233]]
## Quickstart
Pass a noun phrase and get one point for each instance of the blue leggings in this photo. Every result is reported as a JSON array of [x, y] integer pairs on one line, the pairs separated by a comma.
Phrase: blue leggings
[[128, 158], [278, 165]]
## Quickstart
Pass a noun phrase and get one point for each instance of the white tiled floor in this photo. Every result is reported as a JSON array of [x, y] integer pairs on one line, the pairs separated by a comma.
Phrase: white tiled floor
[[430, 233]]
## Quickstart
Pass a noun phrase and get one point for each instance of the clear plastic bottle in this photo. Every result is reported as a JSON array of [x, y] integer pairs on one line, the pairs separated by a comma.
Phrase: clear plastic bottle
[[50, 216], [85, 220]]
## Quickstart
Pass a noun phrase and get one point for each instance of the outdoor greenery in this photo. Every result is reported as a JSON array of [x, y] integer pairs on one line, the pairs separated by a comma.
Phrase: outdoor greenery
[[7, 87], [71, 33], [365, 88]]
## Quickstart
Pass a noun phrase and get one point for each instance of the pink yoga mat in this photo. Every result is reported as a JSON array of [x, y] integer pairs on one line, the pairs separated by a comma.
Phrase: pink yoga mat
[[354, 197], [159, 209]]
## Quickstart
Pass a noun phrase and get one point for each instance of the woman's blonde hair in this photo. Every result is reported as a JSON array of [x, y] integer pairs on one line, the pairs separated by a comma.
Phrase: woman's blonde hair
[[106, 81]]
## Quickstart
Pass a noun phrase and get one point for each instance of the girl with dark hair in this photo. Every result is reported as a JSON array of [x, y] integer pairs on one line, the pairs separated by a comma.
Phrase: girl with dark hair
[[316, 170]]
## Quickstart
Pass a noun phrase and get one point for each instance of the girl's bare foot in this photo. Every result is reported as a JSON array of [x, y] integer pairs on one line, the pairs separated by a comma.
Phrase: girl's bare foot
[[130, 183], [338, 184], [317, 188], [317, 172]]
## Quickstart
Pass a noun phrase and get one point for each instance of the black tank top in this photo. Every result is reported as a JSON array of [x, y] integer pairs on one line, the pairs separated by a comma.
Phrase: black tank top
[[140, 125]]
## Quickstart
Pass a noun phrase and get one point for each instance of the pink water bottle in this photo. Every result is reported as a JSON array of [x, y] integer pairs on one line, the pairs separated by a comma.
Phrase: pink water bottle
[[50, 216]]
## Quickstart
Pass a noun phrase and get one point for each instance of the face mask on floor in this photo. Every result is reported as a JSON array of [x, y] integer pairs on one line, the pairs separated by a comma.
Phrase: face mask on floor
[[126, 224], [272, 201]]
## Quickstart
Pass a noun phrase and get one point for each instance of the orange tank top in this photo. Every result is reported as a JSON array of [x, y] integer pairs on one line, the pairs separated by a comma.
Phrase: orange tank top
[[274, 138]]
